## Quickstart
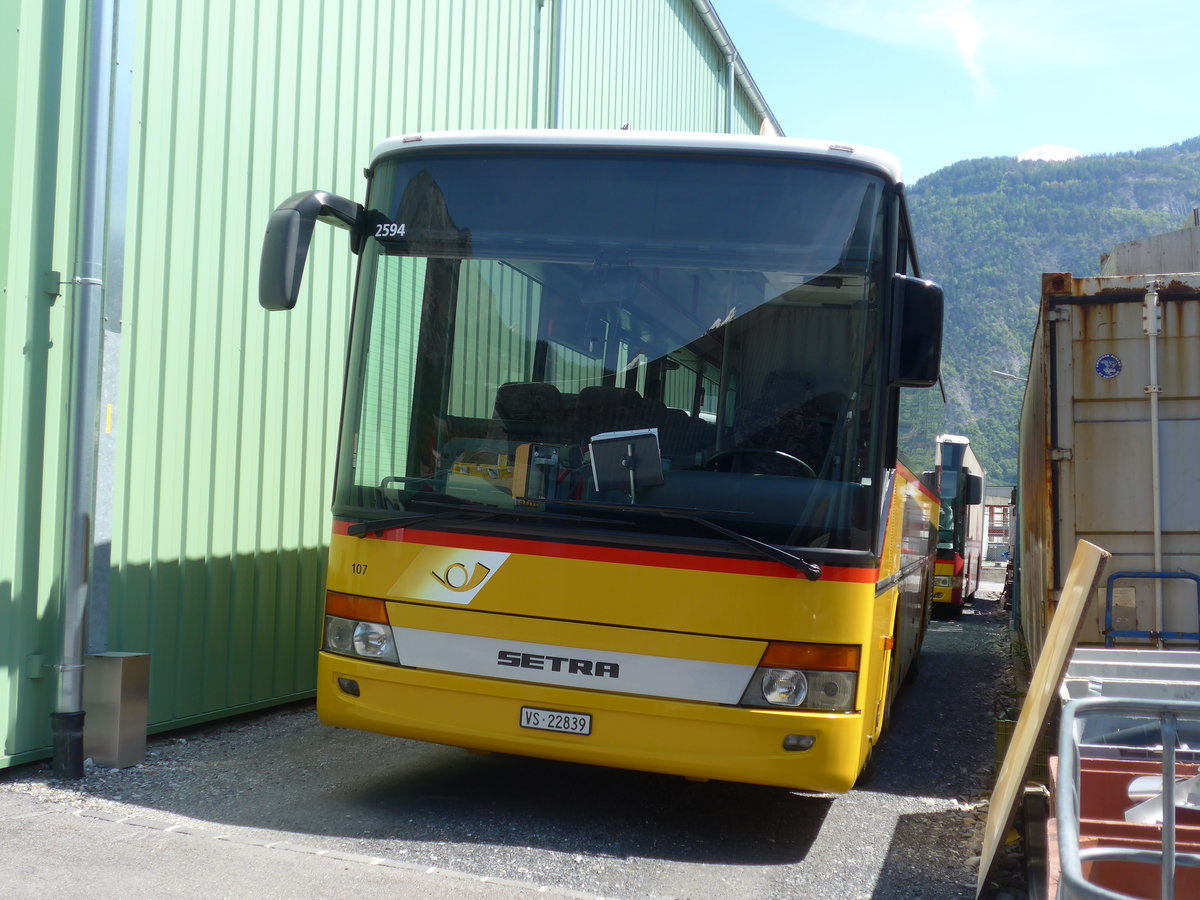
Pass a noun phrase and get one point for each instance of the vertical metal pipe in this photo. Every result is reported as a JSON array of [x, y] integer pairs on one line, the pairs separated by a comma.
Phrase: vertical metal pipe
[[730, 91], [1169, 729], [120, 102], [1152, 328], [560, 54], [87, 303], [535, 104]]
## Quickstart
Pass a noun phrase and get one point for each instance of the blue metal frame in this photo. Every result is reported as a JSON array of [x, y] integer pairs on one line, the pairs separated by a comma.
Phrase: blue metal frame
[[1110, 634]]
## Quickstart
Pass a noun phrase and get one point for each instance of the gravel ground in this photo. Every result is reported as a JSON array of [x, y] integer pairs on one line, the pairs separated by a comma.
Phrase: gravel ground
[[913, 832]]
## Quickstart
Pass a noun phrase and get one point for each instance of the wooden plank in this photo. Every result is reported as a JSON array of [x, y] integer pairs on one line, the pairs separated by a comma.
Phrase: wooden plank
[[1081, 583]]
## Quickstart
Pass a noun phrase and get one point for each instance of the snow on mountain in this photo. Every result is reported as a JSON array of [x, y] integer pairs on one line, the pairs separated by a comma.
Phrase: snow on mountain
[[1049, 153]]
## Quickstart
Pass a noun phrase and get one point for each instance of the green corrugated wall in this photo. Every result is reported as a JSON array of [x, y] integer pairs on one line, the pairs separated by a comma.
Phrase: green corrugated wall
[[39, 111], [222, 418]]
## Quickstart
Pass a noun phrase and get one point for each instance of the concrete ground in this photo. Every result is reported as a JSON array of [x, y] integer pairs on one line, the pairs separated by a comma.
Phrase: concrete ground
[[53, 850]]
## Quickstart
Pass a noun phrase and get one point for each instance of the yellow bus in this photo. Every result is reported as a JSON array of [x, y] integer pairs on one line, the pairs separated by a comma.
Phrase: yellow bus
[[961, 536], [618, 478]]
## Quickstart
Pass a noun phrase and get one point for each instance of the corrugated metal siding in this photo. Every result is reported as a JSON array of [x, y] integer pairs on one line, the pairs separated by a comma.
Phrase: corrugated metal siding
[[228, 414], [660, 69], [1036, 500], [40, 59], [225, 419], [746, 119]]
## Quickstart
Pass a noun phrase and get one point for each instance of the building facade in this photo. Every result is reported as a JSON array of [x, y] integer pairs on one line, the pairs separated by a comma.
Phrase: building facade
[[168, 444]]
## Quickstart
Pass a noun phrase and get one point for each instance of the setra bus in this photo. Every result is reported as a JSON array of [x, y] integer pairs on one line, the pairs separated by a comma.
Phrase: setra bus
[[617, 479], [961, 526]]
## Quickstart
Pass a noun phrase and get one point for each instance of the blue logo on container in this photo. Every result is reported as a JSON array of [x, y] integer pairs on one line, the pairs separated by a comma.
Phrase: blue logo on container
[[1108, 366]]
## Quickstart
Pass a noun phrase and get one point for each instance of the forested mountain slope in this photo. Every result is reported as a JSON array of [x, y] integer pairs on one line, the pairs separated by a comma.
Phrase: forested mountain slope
[[986, 230]]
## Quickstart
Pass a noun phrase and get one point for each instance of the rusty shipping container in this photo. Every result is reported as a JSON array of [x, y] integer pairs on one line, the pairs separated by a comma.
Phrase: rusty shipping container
[[1109, 441]]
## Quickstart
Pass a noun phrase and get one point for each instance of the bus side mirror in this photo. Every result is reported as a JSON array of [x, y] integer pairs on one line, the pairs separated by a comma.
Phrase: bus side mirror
[[289, 233], [974, 490], [917, 329]]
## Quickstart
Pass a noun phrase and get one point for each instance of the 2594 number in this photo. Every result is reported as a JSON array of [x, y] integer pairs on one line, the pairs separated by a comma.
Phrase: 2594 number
[[390, 229]]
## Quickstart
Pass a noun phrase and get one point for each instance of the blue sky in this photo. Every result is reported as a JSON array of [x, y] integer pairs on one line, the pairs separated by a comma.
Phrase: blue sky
[[938, 81]]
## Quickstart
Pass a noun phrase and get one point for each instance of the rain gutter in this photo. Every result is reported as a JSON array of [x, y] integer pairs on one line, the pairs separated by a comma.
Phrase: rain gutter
[[737, 72]]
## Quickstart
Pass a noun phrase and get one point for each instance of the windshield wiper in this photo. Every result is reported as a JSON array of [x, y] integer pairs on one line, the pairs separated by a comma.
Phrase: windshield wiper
[[811, 571], [448, 510], [375, 526]]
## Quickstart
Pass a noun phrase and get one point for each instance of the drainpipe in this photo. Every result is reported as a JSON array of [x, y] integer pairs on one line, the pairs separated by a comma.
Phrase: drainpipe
[[1152, 328], [67, 718], [120, 103], [560, 53], [535, 105], [730, 91], [708, 15]]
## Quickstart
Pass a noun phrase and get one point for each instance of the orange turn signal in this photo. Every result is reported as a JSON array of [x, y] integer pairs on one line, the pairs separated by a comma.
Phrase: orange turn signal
[[827, 657], [348, 606]]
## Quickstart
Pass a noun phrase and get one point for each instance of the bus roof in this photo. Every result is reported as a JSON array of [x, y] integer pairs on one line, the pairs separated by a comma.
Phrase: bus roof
[[866, 157]]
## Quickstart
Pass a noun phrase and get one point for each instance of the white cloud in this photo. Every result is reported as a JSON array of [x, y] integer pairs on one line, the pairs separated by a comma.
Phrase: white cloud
[[961, 20], [988, 35], [933, 25]]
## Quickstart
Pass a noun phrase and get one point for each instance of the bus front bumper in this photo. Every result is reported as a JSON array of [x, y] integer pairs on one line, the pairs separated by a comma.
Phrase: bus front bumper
[[695, 740], [950, 596]]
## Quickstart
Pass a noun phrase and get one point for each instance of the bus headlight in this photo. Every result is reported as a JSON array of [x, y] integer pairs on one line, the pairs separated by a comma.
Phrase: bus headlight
[[374, 641], [339, 634], [805, 676], [358, 626], [784, 687], [798, 688], [831, 690], [369, 640]]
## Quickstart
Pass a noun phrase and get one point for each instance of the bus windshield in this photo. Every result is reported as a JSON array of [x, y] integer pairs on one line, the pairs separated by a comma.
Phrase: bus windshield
[[950, 524], [631, 345]]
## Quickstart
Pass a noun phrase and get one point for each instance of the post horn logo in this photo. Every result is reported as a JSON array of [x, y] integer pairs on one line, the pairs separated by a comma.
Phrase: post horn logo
[[456, 577]]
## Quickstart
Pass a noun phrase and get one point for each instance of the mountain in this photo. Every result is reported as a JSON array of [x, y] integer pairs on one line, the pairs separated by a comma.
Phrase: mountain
[[986, 230]]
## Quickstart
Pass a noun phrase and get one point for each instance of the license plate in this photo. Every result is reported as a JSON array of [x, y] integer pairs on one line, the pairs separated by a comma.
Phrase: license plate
[[553, 720]]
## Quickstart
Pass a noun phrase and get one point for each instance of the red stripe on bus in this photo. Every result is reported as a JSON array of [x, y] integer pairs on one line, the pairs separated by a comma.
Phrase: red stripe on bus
[[654, 558], [914, 479]]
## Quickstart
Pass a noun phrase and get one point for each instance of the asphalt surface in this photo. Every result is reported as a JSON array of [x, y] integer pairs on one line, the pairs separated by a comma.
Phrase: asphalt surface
[[276, 805]]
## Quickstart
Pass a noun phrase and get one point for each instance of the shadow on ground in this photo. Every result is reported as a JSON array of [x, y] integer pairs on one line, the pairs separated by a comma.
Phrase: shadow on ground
[[942, 737], [283, 771]]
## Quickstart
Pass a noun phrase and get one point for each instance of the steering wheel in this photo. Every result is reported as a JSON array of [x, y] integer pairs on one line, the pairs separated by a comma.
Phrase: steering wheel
[[714, 461]]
